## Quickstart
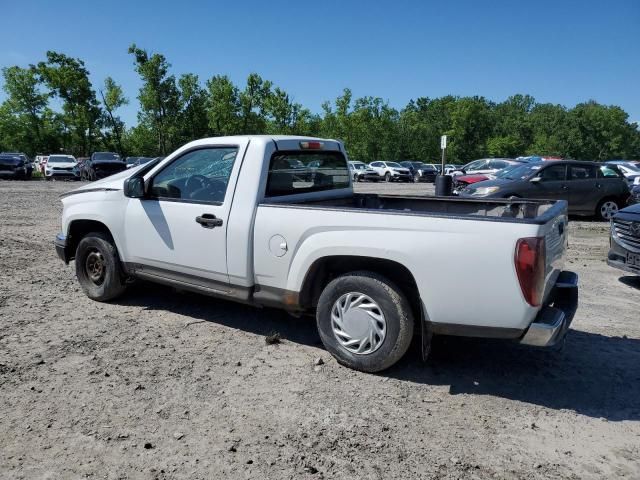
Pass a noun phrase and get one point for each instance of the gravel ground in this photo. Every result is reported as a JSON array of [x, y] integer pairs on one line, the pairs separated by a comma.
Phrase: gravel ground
[[161, 384]]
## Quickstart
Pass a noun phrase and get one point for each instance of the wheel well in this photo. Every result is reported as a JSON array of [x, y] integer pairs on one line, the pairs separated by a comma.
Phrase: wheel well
[[79, 229], [326, 269]]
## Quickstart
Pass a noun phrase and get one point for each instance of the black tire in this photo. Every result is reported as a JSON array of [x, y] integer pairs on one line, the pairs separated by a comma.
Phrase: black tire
[[97, 247], [600, 214], [416, 178], [392, 303], [387, 177]]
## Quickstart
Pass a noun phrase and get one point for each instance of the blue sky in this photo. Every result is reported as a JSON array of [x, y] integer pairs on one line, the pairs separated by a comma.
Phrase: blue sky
[[558, 51]]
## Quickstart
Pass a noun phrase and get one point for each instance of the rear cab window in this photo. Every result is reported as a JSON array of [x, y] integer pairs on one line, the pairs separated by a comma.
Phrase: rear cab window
[[295, 172]]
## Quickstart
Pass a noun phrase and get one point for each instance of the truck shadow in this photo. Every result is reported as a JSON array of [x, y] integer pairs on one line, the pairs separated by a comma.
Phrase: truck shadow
[[594, 375]]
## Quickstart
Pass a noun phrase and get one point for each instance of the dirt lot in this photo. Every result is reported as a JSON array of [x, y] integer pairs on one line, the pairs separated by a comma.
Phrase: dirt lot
[[168, 385]]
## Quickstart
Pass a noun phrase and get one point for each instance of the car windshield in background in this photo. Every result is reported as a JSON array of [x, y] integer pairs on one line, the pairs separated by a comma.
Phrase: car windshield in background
[[106, 156], [143, 160], [359, 166], [132, 160], [520, 172], [301, 172], [58, 159], [394, 165]]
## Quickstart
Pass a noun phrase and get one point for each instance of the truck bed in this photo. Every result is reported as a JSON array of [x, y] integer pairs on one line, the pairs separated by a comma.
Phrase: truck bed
[[516, 210]]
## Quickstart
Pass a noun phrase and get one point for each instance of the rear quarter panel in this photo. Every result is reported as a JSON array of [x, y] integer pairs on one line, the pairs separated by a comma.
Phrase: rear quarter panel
[[464, 268]]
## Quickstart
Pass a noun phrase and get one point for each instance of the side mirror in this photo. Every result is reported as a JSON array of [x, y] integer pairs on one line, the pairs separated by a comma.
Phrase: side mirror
[[134, 187], [536, 180]]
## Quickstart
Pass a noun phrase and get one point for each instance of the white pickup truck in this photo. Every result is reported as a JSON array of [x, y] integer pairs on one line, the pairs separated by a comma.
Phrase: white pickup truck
[[273, 221]]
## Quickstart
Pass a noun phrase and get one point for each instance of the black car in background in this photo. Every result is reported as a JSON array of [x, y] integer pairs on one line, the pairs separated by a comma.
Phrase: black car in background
[[101, 165], [624, 251], [9, 168], [422, 172], [15, 165], [590, 188]]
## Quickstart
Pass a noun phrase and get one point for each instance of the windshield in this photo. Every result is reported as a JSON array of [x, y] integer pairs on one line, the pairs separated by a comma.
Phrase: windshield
[[394, 165], [519, 172], [106, 156], [59, 159], [629, 168], [506, 172], [132, 160], [358, 166]]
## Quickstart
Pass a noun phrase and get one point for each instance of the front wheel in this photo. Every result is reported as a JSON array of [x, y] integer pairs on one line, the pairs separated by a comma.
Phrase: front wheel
[[607, 208], [98, 267], [364, 321], [387, 177]]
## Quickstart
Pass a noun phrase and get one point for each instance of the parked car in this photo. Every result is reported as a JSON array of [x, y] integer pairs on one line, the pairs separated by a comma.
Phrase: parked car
[[460, 182], [590, 188], [357, 169], [61, 166], [484, 166], [420, 171], [14, 166], [635, 194], [389, 172], [26, 161], [624, 251], [629, 169], [220, 217], [101, 165]]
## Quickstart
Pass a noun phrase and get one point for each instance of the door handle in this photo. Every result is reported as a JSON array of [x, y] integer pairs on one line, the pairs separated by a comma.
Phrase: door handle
[[208, 220], [565, 187], [598, 185]]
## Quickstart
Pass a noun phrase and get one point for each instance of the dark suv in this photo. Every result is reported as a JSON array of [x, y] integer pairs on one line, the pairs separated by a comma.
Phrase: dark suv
[[15, 165], [101, 165], [590, 188]]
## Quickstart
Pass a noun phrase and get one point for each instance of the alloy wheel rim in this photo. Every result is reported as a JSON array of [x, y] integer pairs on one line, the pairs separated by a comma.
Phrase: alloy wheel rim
[[95, 267], [608, 210], [358, 323]]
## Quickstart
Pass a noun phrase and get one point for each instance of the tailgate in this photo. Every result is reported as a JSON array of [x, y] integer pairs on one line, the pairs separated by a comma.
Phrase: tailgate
[[556, 234]]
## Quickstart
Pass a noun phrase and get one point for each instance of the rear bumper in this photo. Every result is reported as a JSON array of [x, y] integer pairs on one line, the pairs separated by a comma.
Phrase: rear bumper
[[553, 321], [60, 243]]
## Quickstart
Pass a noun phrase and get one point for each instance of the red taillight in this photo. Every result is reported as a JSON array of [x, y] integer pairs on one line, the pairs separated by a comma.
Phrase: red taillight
[[530, 264], [312, 145]]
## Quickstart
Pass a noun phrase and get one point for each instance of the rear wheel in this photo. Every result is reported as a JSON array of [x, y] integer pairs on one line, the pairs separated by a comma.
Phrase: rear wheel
[[98, 267], [364, 321], [606, 209]]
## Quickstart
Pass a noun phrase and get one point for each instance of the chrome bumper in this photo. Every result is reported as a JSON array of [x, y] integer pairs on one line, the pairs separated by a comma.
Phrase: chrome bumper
[[553, 321]]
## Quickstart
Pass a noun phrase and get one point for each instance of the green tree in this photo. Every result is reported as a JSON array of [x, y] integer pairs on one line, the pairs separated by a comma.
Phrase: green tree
[[159, 98], [223, 106], [252, 105], [112, 99], [68, 79], [193, 100]]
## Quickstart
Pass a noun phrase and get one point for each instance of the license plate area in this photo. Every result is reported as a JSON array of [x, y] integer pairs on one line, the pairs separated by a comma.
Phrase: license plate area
[[633, 259]]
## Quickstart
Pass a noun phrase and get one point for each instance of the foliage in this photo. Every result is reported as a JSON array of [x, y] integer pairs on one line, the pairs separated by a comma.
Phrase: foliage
[[174, 111]]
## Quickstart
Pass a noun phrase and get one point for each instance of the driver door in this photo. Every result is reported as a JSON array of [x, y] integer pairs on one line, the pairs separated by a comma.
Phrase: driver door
[[178, 231]]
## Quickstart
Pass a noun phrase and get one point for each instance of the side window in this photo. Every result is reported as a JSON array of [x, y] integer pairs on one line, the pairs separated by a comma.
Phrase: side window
[[499, 164], [608, 171], [582, 172], [554, 173], [376, 164], [197, 176]]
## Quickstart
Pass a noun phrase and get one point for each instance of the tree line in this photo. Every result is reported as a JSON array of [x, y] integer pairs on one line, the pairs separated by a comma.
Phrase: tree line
[[52, 106]]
